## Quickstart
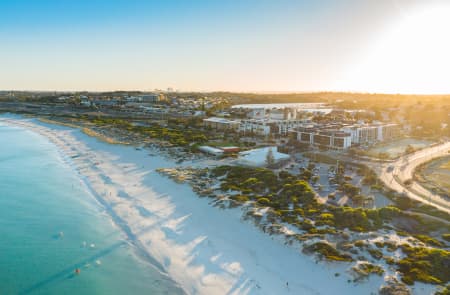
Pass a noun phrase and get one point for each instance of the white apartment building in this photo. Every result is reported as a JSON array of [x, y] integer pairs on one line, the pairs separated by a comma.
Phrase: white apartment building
[[221, 123], [368, 134], [264, 127], [273, 114], [334, 139]]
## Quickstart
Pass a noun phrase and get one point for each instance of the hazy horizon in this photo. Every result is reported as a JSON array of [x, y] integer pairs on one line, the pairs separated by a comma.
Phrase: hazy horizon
[[386, 47]]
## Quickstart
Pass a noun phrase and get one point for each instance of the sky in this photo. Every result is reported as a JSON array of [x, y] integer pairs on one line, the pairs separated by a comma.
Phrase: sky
[[390, 46]]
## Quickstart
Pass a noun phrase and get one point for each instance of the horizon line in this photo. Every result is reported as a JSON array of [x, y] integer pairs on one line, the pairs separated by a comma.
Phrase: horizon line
[[260, 92]]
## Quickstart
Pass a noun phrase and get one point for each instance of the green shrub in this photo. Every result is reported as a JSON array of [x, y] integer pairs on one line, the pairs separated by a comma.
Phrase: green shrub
[[240, 198], [428, 265], [299, 211], [429, 240], [379, 244], [360, 244], [327, 251], [444, 291], [375, 253], [264, 201], [367, 268]]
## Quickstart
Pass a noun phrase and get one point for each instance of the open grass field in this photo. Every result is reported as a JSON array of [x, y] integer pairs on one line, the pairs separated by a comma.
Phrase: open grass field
[[397, 147], [437, 174]]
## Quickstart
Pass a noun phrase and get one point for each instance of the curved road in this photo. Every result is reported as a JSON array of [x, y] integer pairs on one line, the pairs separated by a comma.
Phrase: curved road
[[394, 175]]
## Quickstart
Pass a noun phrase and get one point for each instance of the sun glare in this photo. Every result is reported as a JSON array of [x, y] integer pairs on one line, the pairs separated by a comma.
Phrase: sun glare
[[412, 56]]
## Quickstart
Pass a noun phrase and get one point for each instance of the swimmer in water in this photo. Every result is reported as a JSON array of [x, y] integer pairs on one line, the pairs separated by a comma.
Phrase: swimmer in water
[[77, 271]]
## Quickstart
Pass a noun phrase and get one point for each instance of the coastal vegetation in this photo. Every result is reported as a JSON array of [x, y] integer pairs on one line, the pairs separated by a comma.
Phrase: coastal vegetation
[[365, 269], [327, 251], [428, 265], [289, 200], [175, 135]]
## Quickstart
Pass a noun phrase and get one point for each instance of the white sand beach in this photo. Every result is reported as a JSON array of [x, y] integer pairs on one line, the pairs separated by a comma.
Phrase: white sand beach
[[206, 250]]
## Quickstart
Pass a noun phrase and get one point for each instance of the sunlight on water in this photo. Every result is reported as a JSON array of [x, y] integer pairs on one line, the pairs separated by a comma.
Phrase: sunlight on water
[[51, 226]]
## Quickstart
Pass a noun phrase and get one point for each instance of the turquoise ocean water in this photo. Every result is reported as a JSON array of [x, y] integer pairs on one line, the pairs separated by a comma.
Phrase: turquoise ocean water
[[50, 225]]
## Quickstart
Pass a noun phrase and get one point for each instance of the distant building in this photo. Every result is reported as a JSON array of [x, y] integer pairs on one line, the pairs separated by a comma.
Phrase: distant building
[[85, 102], [221, 123], [147, 98], [264, 127], [105, 103], [273, 114]]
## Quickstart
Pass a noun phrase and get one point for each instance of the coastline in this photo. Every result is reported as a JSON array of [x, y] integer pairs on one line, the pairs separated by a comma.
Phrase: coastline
[[204, 249]]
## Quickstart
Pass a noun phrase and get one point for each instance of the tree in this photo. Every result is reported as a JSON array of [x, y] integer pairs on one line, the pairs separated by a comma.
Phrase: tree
[[270, 159], [306, 174], [350, 189]]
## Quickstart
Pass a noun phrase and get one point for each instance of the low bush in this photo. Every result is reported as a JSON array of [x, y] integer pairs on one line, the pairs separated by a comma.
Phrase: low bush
[[428, 265], [327, 251]]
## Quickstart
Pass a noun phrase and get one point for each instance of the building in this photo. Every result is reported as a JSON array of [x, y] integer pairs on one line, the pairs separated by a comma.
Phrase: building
[[210, 150], [329, 138], [273, 114], [219, 151], [147, 98], [388, 131], [258, 157], [220, 123], [85, 102], [230, 149], [254, 127], [264, 127], [371, 133]]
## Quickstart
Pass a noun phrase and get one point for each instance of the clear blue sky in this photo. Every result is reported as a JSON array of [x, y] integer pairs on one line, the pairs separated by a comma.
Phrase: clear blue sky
[[237, 45]]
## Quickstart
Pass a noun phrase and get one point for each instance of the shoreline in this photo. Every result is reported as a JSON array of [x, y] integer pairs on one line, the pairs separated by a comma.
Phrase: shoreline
[[204, 249]]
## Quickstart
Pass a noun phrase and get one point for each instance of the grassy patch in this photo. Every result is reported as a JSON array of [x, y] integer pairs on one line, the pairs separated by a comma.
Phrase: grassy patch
[[327, 251], [428, 265]]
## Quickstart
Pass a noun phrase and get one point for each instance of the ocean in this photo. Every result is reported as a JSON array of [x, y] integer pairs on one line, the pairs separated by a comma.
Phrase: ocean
[[51, 225]]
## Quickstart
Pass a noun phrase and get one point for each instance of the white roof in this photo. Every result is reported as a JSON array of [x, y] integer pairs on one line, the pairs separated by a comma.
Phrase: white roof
[[210, 150], [257, 157], [219, 120]]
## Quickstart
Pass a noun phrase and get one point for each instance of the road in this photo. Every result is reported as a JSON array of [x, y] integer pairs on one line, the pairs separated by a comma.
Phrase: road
[[395, 174]]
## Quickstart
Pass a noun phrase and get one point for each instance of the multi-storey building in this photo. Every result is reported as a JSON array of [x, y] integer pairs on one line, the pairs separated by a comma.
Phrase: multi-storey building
[[264, 127], [371, 133], [221, 123], [330, 138]]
